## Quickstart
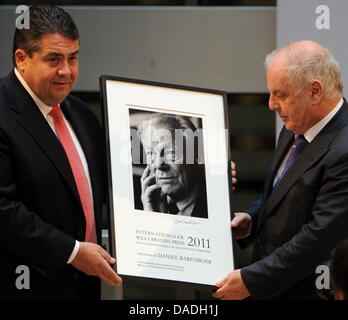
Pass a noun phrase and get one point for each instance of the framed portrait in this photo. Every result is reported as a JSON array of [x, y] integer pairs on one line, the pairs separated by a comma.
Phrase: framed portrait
[[169, 182]]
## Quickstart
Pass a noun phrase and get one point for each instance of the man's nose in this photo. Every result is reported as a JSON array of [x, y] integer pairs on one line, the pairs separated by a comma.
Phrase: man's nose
[[64, 69], [272, 103], [159, 162]]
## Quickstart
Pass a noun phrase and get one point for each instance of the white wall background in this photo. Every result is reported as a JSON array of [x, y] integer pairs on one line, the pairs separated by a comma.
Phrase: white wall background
[[211, 47], [323, 21]]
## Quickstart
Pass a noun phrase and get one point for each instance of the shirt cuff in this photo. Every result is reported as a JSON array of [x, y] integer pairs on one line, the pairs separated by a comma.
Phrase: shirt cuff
[[74, 252]]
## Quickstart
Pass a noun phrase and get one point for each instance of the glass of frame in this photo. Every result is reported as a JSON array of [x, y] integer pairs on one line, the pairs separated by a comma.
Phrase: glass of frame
[[169, 181]]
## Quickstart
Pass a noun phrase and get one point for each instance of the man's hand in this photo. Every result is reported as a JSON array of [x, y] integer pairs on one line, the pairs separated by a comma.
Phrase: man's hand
[[241, 225], [234, 175], [149, 191], [95, 261], [232, 287]]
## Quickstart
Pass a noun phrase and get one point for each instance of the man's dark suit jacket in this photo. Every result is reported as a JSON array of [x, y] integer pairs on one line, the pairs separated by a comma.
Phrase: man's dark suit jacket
[[296, 225], [40, 211]]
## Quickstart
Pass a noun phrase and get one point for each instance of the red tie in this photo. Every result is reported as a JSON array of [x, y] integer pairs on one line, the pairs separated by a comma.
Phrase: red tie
[[78, 171]]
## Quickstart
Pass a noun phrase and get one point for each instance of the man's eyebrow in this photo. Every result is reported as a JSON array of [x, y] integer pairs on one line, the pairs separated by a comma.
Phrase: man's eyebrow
[[57, 54], [54, 54]]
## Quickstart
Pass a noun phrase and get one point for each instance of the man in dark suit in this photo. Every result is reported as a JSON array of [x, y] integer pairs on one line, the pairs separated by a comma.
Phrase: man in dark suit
[[174, 179], [303, 212], [51, 169]]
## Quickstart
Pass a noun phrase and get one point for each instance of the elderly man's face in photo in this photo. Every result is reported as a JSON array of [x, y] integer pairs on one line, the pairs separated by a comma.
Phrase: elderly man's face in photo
[[165, 160]]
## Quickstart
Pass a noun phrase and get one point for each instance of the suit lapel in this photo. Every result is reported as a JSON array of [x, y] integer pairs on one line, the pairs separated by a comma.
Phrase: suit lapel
[[31, 119], [305, 160], [311, 155]]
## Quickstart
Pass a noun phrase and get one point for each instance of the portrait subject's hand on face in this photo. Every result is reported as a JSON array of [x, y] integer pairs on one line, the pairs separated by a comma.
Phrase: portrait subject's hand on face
[[150, 192]]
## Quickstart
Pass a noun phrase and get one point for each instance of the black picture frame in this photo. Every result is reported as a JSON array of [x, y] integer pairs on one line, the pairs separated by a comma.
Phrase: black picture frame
[[110, 100]]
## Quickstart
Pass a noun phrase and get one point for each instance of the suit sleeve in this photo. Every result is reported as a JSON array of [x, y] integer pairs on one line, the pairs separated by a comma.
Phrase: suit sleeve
[[312, 244], [23, 234], [255, 208]]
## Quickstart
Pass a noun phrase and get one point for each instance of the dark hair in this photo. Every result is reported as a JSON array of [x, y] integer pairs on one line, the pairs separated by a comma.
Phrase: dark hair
[[44, 19], [339, 268]]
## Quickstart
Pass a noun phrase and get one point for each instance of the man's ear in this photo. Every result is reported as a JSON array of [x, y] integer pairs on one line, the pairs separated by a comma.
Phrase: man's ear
[[316, 91], [21, 59]]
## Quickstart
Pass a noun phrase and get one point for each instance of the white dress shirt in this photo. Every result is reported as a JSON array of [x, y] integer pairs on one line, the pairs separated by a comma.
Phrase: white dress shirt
[[45, 110]]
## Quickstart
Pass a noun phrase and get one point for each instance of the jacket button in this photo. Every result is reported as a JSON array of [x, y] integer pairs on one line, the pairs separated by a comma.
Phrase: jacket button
[[76, 276]]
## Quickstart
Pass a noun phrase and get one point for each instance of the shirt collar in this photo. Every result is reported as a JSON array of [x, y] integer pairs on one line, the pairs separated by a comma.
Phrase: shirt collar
[[44, 108], [311, 133]]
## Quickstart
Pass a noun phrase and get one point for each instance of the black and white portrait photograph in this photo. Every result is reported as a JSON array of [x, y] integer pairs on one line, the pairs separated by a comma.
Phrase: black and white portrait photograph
[[168, 163], [167, 156]]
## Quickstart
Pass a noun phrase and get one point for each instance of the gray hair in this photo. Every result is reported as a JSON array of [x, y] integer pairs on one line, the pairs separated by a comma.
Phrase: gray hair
[[305, 64]]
